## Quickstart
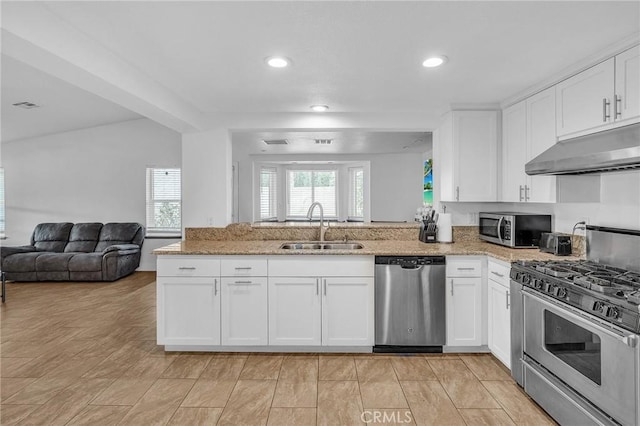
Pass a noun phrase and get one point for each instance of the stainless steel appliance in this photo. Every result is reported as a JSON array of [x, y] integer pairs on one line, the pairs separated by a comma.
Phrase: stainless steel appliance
[[554, 243], [511, 229], [580, 321], [410, 304]]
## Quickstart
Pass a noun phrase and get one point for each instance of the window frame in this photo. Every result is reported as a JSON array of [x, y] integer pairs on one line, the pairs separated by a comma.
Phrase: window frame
[[317, 168], [351, 195], [273, 201], [155, 231]]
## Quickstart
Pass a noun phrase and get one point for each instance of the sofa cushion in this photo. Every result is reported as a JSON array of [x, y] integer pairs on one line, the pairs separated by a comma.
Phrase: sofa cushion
[[51, 236], [53, 262], [83, 237], [86, 262], [21, 262], [118, 233]]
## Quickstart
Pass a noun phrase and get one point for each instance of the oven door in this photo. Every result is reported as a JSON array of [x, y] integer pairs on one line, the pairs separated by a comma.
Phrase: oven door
[[597, 361], [492, 228]]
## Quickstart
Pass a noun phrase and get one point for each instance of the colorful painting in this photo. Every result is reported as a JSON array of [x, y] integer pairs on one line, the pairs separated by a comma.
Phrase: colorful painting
[[428, 182]]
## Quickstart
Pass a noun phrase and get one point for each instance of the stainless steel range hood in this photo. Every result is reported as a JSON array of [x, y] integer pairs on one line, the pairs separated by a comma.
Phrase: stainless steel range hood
[[611, 150]]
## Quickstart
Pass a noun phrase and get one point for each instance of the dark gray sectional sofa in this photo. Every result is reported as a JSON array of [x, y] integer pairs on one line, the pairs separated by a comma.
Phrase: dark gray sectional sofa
[[75, 252]]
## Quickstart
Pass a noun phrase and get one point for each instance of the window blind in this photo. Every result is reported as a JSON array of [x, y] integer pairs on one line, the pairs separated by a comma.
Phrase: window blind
[[305, 187], [164, 201], [356, 194], [268, 193]]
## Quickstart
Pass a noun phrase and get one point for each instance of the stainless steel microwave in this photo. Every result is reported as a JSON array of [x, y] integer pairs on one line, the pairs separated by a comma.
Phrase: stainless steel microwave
[[511, 229]]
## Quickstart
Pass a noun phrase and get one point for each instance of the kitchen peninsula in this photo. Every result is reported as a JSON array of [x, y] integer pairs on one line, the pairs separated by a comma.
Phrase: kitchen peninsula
[[236, 289]]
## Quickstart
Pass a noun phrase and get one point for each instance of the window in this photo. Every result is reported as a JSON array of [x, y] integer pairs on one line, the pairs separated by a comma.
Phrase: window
[[305, 187], [268, 193], [163, 201], [356, 194]]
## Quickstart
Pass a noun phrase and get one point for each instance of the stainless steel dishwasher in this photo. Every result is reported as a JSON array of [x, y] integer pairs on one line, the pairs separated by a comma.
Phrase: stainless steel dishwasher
[[410, 304]]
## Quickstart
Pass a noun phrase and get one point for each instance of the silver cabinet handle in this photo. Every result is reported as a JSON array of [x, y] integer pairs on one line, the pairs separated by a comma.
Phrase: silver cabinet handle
[[452, 287], [325, 287], [617, 107], [238, 268], [521, 189], [457, 193], [317, 286], [605, 105], [215, 287], [526, 192], [508, 304], [243, 282], [495, 273], [466, 269], [187, 268]]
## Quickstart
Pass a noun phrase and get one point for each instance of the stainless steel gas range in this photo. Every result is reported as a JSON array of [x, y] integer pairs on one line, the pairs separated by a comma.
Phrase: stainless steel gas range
[[576, 331]]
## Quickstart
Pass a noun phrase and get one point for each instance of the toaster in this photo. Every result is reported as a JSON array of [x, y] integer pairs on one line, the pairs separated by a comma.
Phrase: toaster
[[555, 243]]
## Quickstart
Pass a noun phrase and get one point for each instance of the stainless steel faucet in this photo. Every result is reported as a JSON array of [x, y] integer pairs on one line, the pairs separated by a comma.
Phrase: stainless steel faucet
[[310, 215]]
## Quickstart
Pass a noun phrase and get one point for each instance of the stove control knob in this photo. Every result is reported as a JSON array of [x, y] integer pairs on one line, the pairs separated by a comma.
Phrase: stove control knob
[[548, 287], [612, 312], [560, 292], [537, 283], [526, 279], [597, 306]]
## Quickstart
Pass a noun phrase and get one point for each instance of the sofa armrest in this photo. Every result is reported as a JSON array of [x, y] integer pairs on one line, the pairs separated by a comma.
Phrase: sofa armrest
[[8, 251], [128, 248]]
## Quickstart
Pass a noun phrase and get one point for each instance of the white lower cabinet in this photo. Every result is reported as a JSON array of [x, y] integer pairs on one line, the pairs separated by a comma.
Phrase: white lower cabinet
[[294, 311], [465, 323], [499, 311], [499, 322], [347, 311], [244, 311]]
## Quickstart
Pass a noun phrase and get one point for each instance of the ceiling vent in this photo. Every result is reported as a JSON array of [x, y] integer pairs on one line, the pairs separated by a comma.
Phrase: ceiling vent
[[26, 105], [324, 141], [276, 141]]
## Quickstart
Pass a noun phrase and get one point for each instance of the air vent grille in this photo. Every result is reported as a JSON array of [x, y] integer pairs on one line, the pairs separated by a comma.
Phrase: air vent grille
[[324, 141], [276, 141]]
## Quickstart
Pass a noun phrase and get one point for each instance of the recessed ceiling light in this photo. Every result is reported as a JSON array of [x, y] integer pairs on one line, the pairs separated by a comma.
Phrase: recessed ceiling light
[[319, 108], [434, 61], [278, 61]]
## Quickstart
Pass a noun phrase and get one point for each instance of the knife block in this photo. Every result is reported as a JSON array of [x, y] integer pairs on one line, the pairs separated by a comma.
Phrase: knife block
[[427, 236]]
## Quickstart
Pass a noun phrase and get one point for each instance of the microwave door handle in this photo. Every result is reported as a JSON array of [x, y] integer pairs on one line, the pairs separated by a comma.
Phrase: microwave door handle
[[499, 233]]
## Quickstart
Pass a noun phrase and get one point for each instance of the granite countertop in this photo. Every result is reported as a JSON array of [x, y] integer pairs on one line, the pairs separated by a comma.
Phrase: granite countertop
[[371, 248]]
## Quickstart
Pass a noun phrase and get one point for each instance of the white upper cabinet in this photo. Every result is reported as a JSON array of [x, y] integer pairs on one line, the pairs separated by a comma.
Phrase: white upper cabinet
[[465, 151], [528, 129], [627, 97], [541, 135], [603, 96], [514, 152], [583, 101]]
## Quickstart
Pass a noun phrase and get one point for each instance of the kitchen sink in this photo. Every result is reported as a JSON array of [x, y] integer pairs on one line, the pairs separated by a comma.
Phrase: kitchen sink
[[321, 246]]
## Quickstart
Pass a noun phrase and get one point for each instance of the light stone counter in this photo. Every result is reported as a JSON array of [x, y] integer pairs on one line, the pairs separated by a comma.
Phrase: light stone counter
[[372, 248]]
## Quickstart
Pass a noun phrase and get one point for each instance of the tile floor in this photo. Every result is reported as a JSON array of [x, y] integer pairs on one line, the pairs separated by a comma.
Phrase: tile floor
[[85, 354]]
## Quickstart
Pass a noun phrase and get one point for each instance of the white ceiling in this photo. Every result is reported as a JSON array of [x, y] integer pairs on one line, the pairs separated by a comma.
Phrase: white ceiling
[[63, 106], [342, 142], [357, 56]]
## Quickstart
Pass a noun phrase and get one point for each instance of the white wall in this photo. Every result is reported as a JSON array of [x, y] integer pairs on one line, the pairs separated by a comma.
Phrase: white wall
[[88, 175], [618, 205], [396, 181]]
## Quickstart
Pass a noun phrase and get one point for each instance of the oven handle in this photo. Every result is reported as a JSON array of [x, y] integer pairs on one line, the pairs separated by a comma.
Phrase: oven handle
[[499, 234], [569, 312]]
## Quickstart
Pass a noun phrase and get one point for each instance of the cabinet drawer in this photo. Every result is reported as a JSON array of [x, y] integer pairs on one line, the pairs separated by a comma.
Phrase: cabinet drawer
[[321, 266], [188, 266], [245, 266], [459, 267], [498, 273]]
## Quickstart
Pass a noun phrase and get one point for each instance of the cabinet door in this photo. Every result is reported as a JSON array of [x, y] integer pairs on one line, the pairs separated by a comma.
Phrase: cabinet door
[[628, 84], [541, 135], [294, 311], [244, 311], [580, 100], [188, 311], [476, 158], [514, 152], [347, 311], [499, 322], [464, 311]]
